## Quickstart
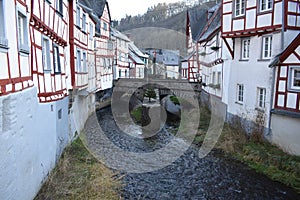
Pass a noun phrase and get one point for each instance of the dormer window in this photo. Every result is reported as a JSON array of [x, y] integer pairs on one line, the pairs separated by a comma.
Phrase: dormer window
[[265, 5], [239, 8]]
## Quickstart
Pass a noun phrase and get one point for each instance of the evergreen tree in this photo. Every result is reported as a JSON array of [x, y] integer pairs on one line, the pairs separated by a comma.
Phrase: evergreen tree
[[150, 93]]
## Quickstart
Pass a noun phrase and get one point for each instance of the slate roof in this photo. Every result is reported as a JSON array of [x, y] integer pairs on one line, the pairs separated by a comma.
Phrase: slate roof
[[281, 57], [197, 17], [95, 9], [136, 50], [214, 25], [171, 58], [96, 5], [120, 35], [135, 58]]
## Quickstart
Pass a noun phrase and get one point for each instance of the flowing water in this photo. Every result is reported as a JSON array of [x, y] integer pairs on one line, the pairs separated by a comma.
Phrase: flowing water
[[214, 177]]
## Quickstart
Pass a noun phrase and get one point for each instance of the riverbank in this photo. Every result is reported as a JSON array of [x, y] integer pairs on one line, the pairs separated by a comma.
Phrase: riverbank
[[79, 175], [258, 154]]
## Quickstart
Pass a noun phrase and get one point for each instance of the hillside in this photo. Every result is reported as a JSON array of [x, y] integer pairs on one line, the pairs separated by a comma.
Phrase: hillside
[[162, 26]]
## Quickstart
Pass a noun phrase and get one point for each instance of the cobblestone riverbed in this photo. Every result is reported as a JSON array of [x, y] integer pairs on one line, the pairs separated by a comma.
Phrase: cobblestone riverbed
[[214, 177]]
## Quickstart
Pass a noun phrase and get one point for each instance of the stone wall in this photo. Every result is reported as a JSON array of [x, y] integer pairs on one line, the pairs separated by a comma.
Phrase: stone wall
[[32, 138]]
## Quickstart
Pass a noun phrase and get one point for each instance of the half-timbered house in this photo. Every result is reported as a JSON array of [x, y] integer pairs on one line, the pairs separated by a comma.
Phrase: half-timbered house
[[103, 46], [138, 61], [15, 73], [285, 115], [194, 25], [49, 38], [195, 22], [121, 62], [210, 54], [82, 83], [254, 32], [33, 97]]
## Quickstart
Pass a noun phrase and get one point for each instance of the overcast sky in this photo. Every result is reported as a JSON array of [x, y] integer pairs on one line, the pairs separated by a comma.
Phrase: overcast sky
[[119, 8]]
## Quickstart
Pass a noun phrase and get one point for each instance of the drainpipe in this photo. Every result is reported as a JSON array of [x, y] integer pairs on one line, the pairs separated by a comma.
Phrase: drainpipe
[[274, 68]]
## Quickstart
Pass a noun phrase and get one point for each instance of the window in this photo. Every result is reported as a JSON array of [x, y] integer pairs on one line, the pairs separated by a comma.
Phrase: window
[[104, 26], [46, 54], [265, 5], [95, 44], [22, 33], [266, 47], [83, 22], [261, 97], [294, 78], [3, 40], [78, 60], [59, 114], [59, 6], [240, 93], [84, 61], [219, 78], [245, 49], [78, 16], [213, 78], [239, 6], [56, 60], [91, 31]]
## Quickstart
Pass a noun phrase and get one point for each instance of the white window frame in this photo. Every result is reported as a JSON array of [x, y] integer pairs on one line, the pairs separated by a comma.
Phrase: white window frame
[[213, 78], [22, 29], [292, 78], [78, 60], [267, 47], [265, 5], [46, 54], [240, 93], [239, 8], [83, 21], [84, 61], [56, 59], [245, 51], [78, 16], [91, 31], [3, 39], [261, 97], [60, 7]]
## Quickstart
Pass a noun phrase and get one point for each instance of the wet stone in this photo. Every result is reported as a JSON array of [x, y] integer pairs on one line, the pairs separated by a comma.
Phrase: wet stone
[[214, 177]]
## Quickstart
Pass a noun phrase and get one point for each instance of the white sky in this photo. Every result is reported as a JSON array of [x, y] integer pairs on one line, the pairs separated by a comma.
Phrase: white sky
[[119, 8]]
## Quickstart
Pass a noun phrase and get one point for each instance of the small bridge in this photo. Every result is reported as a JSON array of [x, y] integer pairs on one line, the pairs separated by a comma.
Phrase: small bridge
[[178, 87]]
